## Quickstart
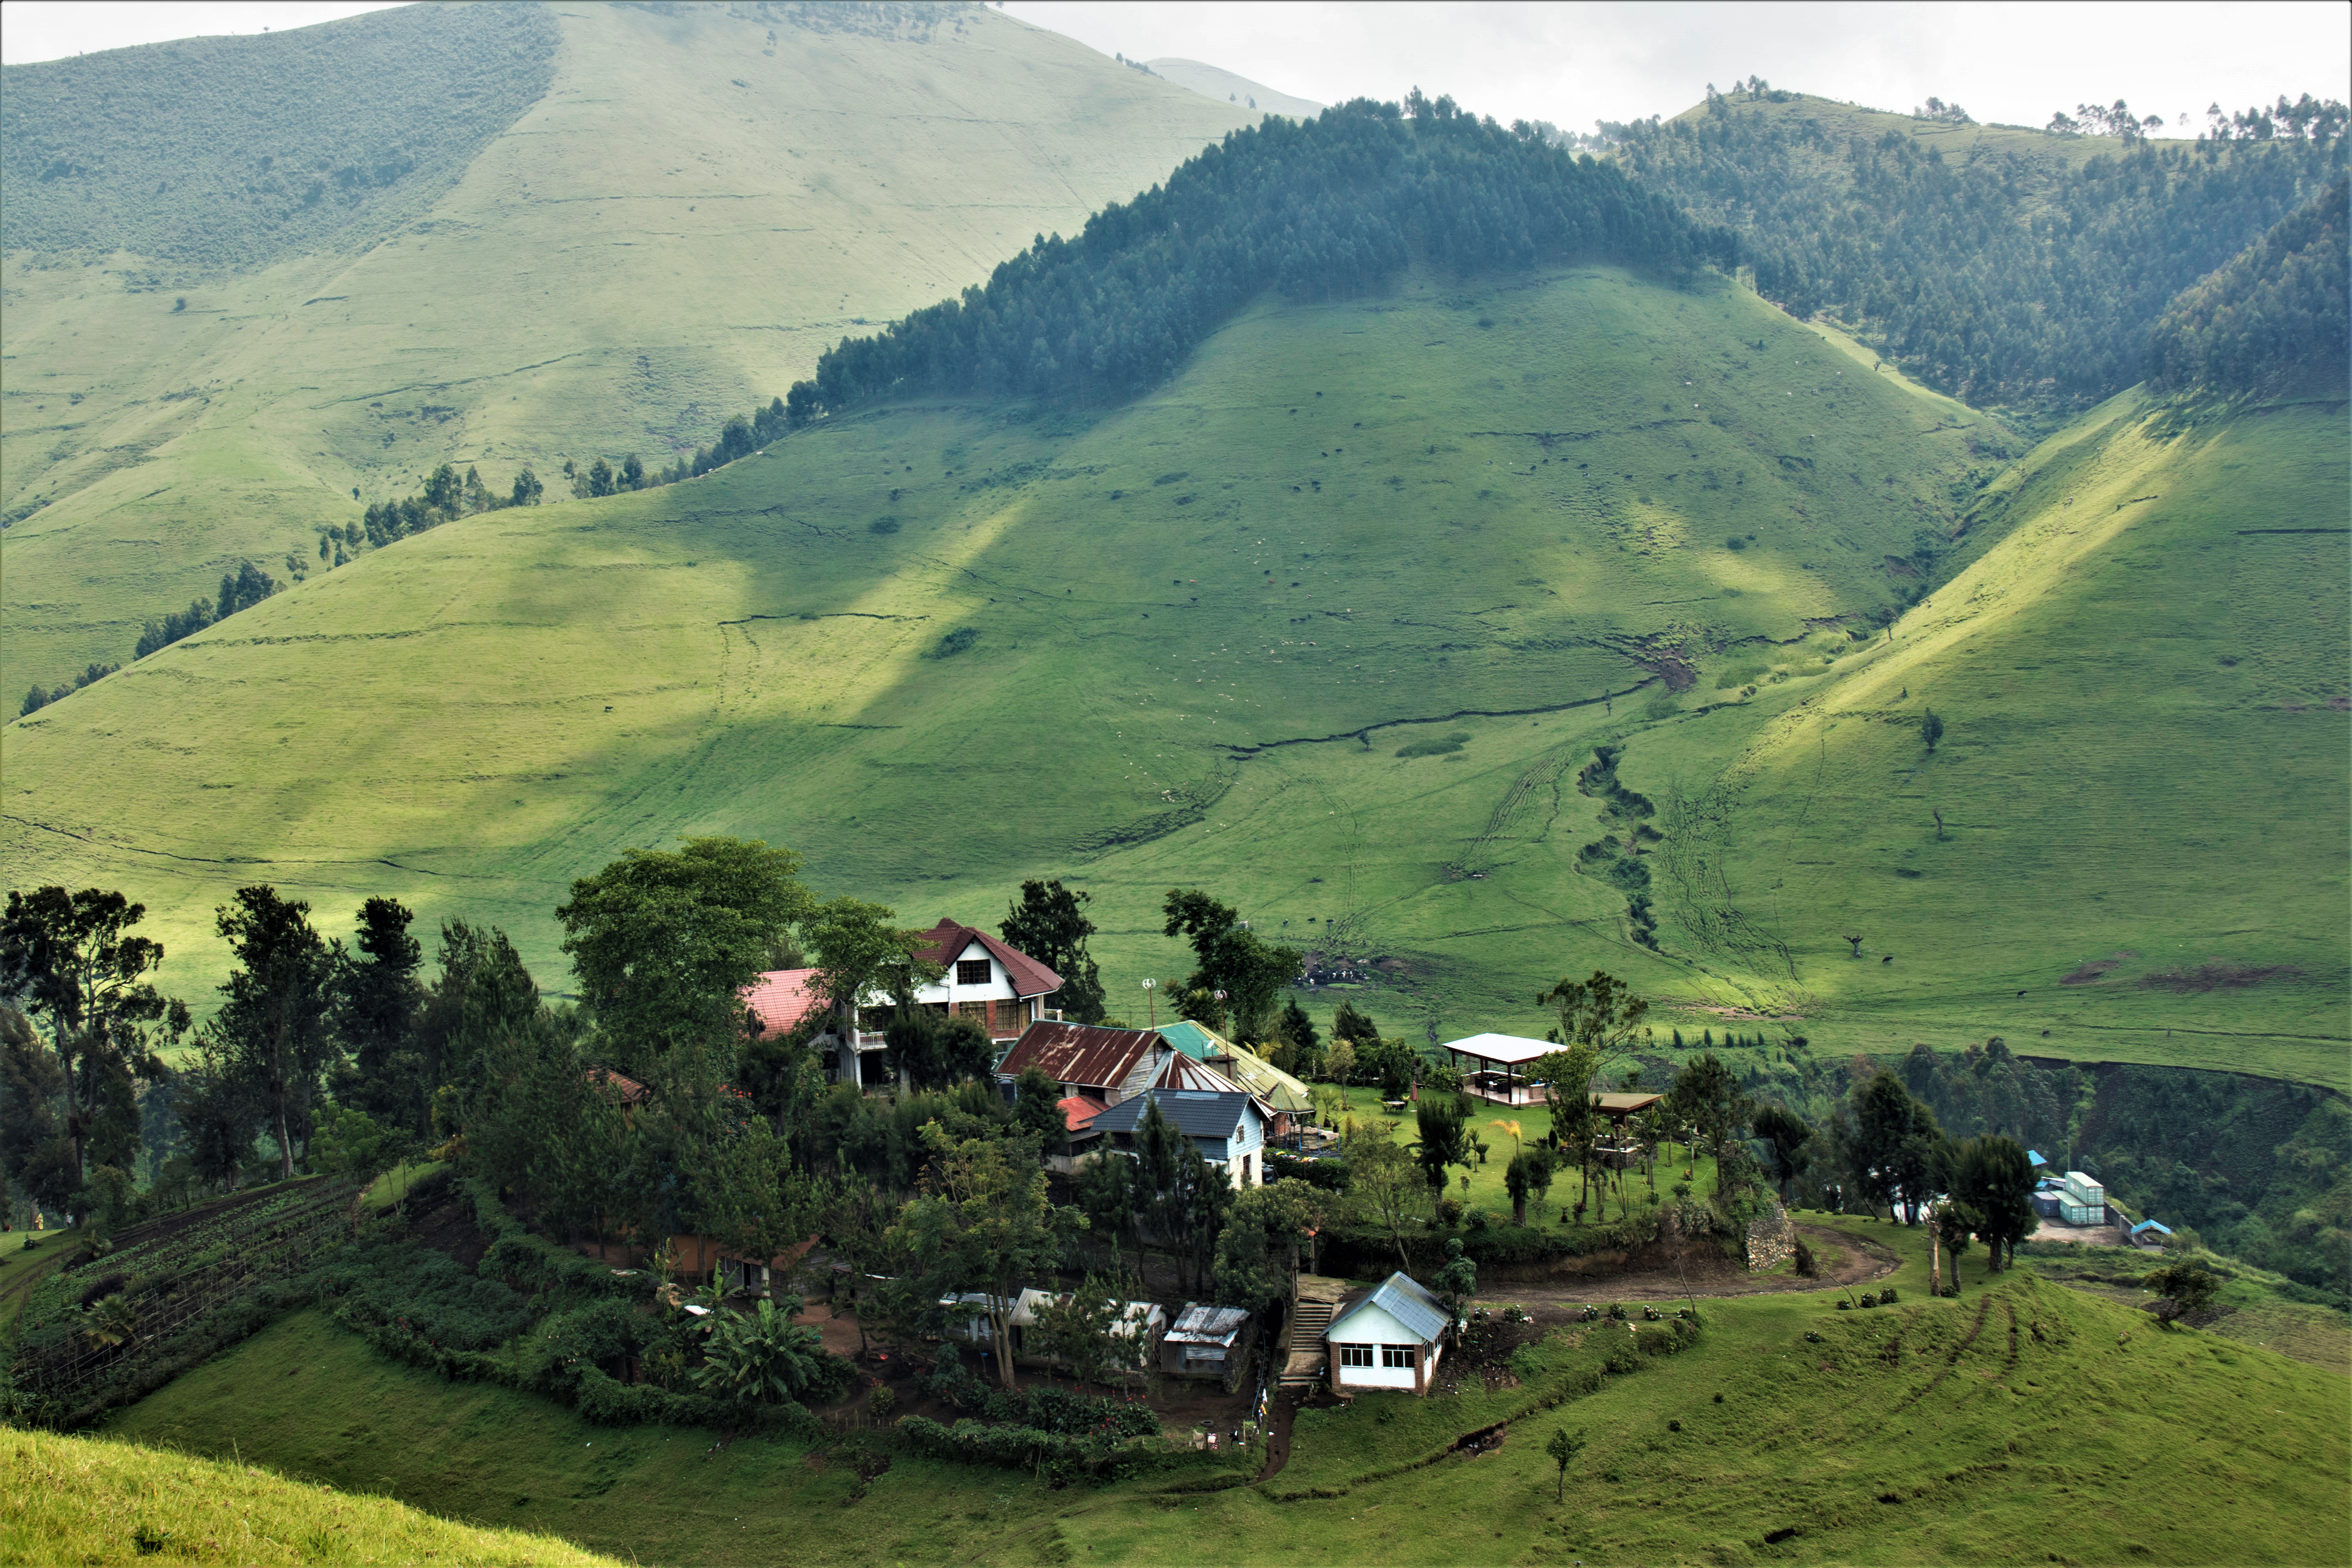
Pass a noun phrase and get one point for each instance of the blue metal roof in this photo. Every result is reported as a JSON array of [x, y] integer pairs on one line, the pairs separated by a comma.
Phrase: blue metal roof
[[2035, 1157], [1194, 1113], [1404, 1298], [2150, 1225]]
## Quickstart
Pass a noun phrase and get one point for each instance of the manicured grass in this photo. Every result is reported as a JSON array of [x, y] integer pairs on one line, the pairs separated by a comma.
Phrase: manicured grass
[[95, 1500], [1490, 1192], [1925, 1432]]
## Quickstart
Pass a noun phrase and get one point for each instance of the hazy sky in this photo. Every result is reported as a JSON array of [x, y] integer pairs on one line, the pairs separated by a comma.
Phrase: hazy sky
[[1575, 63]]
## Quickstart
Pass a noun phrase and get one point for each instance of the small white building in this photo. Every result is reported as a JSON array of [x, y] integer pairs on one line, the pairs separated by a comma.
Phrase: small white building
[[1388, 1337]]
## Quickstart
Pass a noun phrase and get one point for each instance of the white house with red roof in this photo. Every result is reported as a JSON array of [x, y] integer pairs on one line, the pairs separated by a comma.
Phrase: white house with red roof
[[994, 986]]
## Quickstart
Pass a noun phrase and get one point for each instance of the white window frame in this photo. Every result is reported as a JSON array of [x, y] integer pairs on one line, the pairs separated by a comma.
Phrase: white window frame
[[1356, 1355], [1394, 1356]]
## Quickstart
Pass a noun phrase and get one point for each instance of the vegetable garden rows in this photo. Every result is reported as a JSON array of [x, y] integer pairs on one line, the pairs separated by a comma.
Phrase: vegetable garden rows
[[98, 1314]]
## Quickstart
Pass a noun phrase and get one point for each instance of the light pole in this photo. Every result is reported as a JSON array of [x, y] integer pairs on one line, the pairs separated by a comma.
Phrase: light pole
[[1151, 1001]]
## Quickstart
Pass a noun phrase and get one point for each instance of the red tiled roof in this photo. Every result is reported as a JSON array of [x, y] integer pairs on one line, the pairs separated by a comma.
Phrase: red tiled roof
[[1080, 1053], [781, 999], [1080, 1109], [1029, 977]]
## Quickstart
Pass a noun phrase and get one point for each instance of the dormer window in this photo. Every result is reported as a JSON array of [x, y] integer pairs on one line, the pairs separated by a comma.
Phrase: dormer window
[[972, 971]]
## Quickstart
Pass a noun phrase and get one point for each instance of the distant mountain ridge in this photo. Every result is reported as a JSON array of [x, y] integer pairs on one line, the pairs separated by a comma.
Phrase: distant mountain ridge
[[1216, 81], [696, 202]]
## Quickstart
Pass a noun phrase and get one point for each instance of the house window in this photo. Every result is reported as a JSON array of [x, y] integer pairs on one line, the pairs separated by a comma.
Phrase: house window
[[1355, 1355], [1397, 1355], [972, 971]]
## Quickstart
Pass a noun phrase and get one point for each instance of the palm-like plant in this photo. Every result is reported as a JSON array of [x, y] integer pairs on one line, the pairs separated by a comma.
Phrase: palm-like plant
[[113, 1321], [761, 1357]]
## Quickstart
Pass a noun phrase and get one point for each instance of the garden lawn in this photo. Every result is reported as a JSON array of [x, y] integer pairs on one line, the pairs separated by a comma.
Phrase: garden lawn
[[1488, 1190]]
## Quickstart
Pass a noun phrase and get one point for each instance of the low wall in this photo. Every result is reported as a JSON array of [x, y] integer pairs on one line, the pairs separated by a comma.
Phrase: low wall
[[1771, 1239]]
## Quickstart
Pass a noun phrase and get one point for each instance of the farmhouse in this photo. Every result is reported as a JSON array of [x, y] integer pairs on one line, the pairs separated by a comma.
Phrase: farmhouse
[[983, 980], [1227, 1127], [1388, 1337]]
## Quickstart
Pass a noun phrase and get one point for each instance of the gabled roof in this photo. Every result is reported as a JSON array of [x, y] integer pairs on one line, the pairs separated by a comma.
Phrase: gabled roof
[[1030, 978], [2147, 1225], [1275, 1089], [1275, 1086], [1180, 1071], [1192, 1113], [1078, 1110], [1404, 1298], [781, 998], [1078, 1053]]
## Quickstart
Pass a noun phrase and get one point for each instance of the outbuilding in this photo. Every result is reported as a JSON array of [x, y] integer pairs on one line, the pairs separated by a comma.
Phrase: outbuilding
[[1388, 1337], [1207, 1341]]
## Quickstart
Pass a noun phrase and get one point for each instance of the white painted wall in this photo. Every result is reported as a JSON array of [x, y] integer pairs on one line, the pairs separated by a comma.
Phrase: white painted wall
[[1370, 1325]]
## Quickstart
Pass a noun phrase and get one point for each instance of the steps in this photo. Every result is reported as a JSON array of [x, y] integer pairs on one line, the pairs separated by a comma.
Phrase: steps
[[1303, 1363]]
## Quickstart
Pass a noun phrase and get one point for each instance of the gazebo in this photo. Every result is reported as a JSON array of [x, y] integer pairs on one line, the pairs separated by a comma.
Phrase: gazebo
[[1494, 1076]]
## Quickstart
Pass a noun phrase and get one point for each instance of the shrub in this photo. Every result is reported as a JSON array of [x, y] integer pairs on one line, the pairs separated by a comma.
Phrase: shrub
[[1886, 1297], [1331, 1176]]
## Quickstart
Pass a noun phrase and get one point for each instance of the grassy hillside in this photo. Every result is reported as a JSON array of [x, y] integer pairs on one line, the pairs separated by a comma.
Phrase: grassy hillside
[[2144, 838], [95, 1500], [1202, 629], [1216, 81], [1933, 1431], [700, 201], [1349, 666]]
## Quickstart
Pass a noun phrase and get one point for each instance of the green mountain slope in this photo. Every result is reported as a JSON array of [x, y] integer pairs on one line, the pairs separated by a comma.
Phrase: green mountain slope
[[1182, 640], [698, 202], [2143, 840]]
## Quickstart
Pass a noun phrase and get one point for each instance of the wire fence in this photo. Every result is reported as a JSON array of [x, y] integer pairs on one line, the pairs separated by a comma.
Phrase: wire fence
[[257, 1243]]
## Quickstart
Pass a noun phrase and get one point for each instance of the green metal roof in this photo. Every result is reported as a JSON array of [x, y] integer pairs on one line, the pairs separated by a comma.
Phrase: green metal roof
[[1253, 1072]]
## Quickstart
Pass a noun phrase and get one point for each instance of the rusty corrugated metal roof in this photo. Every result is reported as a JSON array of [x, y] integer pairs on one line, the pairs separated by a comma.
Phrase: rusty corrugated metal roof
[[1081, 1054]]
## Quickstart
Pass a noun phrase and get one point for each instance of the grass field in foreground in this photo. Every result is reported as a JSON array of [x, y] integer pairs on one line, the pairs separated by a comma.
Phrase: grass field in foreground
[[95, 1501], [1927, 1432]]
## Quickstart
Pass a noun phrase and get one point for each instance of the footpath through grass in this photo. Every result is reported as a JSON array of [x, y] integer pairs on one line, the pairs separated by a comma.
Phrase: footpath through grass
[[2024, 1420], [94, 1500]]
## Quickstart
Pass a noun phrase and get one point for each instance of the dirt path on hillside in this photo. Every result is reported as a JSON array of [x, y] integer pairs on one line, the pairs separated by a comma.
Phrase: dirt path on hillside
[[1858, 1260]]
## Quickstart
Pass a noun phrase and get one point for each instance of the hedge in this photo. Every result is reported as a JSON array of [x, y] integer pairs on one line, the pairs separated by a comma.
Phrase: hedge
[[1331, 1176]]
